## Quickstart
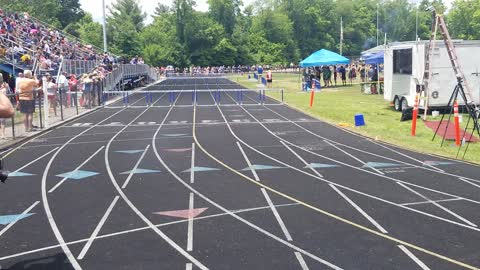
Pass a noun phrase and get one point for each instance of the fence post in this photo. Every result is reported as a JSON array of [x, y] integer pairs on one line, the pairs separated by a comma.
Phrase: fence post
[[45, 102], [13, 127], [37, 95], [76, 100], [60, 90]]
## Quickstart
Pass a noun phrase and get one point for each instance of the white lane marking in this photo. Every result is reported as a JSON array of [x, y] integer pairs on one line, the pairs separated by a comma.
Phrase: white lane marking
[[97, 229], [132, 172], [133, 207], [426, 202], [469, 182], [366, 152], [142, 229], [188, 266], [360, 210], [76, 169], [277, 215], [232, 214], [302, 262], [248, 162], [190, 225], [352, 156], [15, 221], [192, 165], [46, 205], [407, 156], [301, 159], [267, 197], [414, 258], [37, 159], [438, 205], [356, 168]]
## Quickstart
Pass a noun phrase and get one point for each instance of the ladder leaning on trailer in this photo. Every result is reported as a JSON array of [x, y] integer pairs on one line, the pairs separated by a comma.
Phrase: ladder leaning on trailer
[[439, 23]]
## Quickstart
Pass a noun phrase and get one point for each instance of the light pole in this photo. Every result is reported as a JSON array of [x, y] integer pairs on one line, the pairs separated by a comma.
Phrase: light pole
[[104, 24], [377, 24], [341, 35], [416, 22]]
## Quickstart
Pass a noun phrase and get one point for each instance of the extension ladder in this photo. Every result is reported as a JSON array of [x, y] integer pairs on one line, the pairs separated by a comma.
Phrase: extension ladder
[[439, 23]]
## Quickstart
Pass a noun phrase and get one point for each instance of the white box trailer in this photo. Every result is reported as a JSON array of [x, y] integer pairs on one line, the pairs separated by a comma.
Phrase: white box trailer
[[404, 66]]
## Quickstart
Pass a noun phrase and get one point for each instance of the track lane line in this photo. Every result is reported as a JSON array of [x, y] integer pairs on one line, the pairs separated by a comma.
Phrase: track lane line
[[438, 205], [232, 214], [308, 165], [427, 202], [46, 205], [35, 160], [76, 169], [353, 167], [132, 172], [348, 165], [301, 261], [4, 230], [190, 224], [414, 258], [360, 210], [51, 130], [404, 155], [373, 154], [142, 229], [277, 215], [382, 235], [354, 157], [192, 165], [97, 229], [167, 239]]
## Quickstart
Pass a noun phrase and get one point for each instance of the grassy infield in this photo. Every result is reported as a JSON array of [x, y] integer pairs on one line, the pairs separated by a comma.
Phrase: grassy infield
[[339, 105]]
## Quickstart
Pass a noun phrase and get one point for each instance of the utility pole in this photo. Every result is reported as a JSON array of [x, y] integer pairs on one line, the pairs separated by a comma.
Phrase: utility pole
[[104, 24], [416, 22], [341, 35], [377, 24]]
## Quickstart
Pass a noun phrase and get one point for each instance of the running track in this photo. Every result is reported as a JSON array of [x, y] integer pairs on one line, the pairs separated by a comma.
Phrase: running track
[[230, 187]]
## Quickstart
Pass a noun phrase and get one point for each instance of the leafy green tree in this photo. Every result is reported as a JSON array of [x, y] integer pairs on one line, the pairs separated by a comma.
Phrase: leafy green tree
[[161, 9], [464, 19], [45, 11], [127, 10], [183, 10], [203, 35], [160, 45], [224, 53], [90, 31], [70, 12], [225, 13], [124, 25]]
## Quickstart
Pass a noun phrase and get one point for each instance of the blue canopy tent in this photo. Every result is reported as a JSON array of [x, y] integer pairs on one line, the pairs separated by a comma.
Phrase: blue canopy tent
[[375, 59], [323, 58]]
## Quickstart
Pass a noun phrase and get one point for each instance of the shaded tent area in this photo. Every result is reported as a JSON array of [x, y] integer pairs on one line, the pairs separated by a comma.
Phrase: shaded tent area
[[323, 58], [375, 59]]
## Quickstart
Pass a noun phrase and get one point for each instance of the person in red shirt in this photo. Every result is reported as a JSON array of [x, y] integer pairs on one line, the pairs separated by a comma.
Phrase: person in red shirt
[[73, 87]]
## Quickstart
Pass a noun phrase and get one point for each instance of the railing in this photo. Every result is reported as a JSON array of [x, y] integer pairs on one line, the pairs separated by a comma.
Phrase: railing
[[78, 67]]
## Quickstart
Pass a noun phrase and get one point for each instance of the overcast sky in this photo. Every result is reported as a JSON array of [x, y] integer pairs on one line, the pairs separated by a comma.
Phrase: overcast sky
[[95, 6]]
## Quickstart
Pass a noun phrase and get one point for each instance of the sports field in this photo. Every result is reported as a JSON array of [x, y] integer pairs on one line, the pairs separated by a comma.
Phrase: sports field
[[201, 173]]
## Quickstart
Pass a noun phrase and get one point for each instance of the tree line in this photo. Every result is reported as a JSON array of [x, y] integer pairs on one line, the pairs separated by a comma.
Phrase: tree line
[[274, 32]]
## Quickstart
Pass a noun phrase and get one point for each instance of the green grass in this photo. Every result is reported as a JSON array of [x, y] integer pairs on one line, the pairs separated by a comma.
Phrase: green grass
[[339, 105]]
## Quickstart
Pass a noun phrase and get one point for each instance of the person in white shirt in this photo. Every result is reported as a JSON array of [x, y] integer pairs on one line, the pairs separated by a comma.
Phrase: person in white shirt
[[63, 88], [17, 80]]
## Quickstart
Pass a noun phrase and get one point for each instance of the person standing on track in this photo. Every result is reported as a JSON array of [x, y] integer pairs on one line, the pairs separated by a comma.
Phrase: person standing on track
[[26, 99], [269, 79]]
